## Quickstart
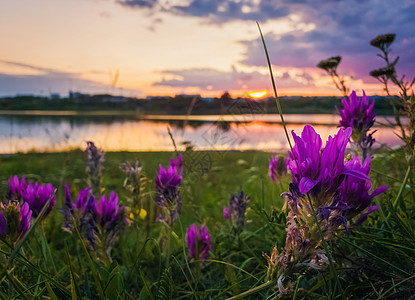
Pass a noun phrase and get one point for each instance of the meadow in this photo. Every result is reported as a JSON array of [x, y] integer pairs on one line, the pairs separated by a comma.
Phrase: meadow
[[374, 261], [328, 220]]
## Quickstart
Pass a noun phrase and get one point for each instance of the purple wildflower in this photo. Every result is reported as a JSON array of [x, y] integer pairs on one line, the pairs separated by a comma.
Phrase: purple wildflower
[[292, 198], [34, 194], [198, 242], [71, 209], [226, 214], [15, 188], [81, 200], [88, 221], [14, 220], [364, 215], [358, 114], [167, 186], [322, 184], [99, 222], [25, 215], [95, 164], [177, 162], [304, 160], [319, 173], [332, 162], [170, 177], [107, 218], [277, 168], [355, 190], [109, 213], [236, 209], [37, 195], [338, 190]]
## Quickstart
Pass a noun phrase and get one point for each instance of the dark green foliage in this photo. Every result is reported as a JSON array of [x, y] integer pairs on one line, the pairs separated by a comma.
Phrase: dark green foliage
[[101, 110], [165, 286]]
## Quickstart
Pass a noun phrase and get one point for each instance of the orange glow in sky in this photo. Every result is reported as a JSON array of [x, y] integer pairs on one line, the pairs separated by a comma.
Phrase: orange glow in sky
[[258, 94], [96, 46]]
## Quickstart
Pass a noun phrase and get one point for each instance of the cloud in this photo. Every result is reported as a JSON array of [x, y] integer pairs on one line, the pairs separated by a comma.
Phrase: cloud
[[49, 81], [218, 11], [138, 3], [222, 11], [211, 79], [341, 27]]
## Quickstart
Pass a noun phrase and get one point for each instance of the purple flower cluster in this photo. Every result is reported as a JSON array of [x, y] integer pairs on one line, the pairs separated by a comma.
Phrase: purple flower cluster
[[198, 242], [37, 195], [168, 189], [75, 209], [314, 171], [332, 184], [355, 191], [277, 168], [14, 220], [170, 177], [15, 188], [34, 194], [325, 185], [23, 201], [358, 114], [108, 214], [235, 211], [98, 221]]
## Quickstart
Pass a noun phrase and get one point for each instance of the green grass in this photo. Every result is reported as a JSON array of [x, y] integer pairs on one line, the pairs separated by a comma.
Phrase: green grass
[[374, 261], [139, 250]]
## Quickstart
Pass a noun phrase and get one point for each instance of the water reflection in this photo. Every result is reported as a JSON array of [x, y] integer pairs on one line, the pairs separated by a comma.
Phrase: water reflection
[[248, 132]]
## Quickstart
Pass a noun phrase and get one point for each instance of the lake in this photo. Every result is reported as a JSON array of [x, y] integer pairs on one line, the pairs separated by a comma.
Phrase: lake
[[49, 133]]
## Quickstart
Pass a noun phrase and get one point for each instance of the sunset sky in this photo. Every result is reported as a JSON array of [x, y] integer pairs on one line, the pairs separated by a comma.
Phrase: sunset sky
[[167, 47]]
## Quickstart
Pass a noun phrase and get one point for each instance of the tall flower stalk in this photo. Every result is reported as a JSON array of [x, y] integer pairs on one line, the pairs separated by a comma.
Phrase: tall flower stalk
[[100, 222], [198, 242], [168, 197], [388, 73], [95, 159], [134, 184], [277, 168], [236, 210]]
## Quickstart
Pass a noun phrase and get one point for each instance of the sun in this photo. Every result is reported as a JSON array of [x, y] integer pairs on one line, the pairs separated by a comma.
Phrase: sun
[[257, 94]]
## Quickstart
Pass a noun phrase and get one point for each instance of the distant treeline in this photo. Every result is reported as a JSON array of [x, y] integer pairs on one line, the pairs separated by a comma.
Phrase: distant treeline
[[181, 105]]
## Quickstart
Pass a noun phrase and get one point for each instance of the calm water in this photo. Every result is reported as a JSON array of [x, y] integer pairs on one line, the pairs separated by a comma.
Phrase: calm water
[[245, 132]]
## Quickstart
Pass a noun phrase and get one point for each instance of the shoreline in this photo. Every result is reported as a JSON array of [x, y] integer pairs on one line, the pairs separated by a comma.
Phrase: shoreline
[[294, 119]]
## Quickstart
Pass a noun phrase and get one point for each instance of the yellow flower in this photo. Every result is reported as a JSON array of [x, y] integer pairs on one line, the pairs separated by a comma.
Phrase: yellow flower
[[142, 213]]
